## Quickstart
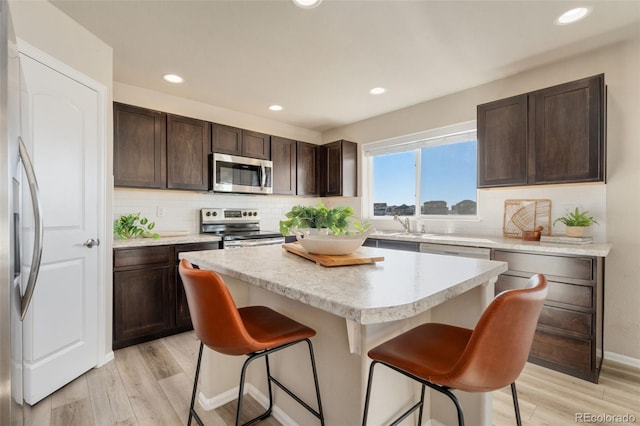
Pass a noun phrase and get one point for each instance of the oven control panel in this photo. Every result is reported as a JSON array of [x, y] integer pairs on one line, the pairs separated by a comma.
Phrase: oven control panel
[[229, 216]]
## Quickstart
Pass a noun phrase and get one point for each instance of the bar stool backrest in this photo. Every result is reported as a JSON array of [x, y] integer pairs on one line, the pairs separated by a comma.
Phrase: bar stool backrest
[[214, 314], [500, 343]]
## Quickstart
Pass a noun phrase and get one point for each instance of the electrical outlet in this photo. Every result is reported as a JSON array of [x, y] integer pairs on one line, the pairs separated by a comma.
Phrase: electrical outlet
[[161, 211]]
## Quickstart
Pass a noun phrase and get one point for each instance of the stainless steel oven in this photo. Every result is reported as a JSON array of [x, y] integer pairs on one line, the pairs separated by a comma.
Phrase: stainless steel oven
[[231, 173], [237, 227]]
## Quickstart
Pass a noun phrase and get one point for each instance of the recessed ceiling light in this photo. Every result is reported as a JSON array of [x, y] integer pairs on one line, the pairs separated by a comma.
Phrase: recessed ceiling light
[[377, 90], [275, 108], [573, 15], [172, 78], [307, 4]]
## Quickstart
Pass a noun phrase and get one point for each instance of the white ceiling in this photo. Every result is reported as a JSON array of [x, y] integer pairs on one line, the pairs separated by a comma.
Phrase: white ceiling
[[319, 64]]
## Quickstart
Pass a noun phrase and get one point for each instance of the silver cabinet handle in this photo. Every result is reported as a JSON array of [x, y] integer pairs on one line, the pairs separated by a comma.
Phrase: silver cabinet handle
[[37, 217], [91, 243]]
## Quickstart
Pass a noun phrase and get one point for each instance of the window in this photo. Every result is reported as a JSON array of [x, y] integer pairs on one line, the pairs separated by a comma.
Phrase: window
[[433, 170]]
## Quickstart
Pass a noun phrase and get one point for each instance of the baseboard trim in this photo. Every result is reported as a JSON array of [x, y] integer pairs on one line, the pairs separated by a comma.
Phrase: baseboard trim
[[104, 360], [209, 404], [219, 400], [622, 359]]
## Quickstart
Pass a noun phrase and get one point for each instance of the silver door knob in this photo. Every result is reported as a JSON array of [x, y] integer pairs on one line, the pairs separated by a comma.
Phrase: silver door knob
[[91, 242]]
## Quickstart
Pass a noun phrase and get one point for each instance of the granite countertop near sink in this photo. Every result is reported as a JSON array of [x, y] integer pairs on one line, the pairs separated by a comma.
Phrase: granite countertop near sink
[[162, 241], [595, 249]]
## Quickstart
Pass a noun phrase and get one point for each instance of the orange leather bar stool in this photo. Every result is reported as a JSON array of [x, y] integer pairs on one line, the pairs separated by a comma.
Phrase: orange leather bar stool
[[489, 357], [254, 331]]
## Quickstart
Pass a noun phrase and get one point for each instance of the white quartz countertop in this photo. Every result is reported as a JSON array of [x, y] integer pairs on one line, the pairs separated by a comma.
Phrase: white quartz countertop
[[403, 285], [162, 241], [596, 249]]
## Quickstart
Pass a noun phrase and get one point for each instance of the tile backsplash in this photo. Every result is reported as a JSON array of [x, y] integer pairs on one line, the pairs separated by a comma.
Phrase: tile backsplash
[[179, 210]]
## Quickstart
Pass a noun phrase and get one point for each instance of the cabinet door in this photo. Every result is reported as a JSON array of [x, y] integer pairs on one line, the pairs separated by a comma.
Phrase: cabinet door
[[338, 168], [188, 147], [283, 155], [227, 139], [139, 147], [306, 170], [502, 142], [256, 145], [569, 132], [331, 169], [142, 304]]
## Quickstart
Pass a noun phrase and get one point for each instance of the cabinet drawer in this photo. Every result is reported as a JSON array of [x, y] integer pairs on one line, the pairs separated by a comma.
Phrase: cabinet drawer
[[562, 350], [570, 294], [564, 319], [570, 267], [136, 257]]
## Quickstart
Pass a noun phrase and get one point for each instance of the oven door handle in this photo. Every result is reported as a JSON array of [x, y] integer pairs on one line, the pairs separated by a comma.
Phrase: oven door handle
[[253, 243]]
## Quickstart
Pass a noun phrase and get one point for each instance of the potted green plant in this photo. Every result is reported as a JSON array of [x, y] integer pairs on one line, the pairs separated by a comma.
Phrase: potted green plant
[[323, 230], [335, 220], [576, 222], [133, 226]]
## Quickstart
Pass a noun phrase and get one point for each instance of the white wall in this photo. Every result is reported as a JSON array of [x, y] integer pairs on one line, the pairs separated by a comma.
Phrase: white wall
[[615, 205]]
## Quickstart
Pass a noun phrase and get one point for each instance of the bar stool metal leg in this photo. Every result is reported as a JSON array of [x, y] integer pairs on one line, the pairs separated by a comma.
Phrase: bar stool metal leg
[[192, 411], [516, 407]]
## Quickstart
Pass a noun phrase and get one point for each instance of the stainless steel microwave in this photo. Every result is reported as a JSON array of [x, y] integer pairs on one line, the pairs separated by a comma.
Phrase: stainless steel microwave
[[232, 173]]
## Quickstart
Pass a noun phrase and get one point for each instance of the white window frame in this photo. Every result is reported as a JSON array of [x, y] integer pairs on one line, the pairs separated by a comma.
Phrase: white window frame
[[443, 135]]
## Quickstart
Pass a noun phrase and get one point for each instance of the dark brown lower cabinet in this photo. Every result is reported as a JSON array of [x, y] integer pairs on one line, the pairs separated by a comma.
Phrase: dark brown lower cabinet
[[569, 333], [148, 297]]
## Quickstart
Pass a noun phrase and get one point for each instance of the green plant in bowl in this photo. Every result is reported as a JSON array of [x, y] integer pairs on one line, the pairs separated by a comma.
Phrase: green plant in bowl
[[576, 218], [133, 226], [576, 222], [336, 220]]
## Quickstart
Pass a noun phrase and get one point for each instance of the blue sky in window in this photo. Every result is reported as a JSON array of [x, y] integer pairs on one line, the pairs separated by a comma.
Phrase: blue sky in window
[[448, 173]]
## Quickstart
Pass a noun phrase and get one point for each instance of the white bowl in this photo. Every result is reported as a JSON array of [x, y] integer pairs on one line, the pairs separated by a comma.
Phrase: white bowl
[[331, 244]]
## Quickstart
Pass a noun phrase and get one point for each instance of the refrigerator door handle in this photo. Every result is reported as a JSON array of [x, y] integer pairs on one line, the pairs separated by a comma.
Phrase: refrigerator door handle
[[37, 217]]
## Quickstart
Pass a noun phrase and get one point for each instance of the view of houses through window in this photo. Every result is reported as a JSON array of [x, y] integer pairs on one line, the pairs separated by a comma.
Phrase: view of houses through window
[[438, 176]]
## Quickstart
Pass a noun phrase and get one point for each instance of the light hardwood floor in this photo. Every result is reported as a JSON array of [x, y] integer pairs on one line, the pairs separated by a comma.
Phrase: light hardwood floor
[[150, 384]]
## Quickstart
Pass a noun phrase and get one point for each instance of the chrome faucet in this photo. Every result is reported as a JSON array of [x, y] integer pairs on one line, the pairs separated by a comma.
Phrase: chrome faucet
[[405, 222]]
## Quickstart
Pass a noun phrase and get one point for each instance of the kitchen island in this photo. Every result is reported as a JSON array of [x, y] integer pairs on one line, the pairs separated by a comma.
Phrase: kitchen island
[[352, 308]]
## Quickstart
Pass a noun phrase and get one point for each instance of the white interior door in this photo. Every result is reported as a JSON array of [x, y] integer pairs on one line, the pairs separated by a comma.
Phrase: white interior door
[[60, 329]]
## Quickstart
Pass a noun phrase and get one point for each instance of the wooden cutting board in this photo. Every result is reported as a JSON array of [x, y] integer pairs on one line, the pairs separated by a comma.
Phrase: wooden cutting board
[[354, 258]]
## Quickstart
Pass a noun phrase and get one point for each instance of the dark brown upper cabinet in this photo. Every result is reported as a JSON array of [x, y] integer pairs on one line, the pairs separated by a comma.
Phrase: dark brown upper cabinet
[[338, 169], [139, 148], [256, 145], [188, 147], [553, 135], [502, 142], [569, 132], [236, 141], [306, 170], [227, 139], [283, 155]]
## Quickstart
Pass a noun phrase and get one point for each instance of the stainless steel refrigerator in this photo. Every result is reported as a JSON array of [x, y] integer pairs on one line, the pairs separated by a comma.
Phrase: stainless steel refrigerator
[[16, 171]]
